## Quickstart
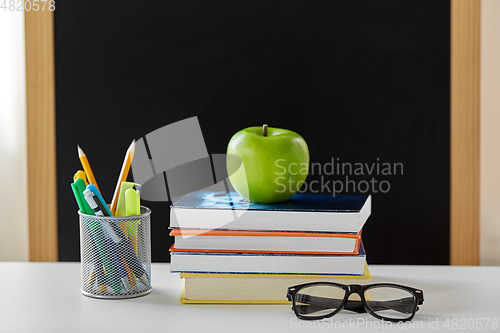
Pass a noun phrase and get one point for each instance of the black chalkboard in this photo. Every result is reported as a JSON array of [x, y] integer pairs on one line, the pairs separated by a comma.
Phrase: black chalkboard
[[362, 81]]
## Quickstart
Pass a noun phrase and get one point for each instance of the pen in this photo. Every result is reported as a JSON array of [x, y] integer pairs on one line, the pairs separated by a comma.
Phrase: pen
[[97, 269], [99, 254], [105, 254], [126, 251], [99, 200], [130, 275], [116, 234], [101, 277], [89, 197], [118, 264]]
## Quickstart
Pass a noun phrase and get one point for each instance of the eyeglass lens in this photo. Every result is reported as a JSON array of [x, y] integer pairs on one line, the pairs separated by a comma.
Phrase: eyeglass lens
[[319, 300], [390, 302]]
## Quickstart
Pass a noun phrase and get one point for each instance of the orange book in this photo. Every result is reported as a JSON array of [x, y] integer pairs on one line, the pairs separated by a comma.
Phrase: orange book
[[274, 242]]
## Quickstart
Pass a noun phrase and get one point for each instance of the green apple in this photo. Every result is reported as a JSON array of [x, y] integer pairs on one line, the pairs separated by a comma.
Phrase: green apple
[[266, 164]]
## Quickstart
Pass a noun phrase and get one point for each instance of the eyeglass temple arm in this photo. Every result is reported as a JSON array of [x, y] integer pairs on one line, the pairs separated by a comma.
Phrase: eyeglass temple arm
[[310, 304]]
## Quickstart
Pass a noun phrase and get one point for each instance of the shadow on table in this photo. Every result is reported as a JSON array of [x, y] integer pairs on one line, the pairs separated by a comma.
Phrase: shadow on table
[[160, 297]]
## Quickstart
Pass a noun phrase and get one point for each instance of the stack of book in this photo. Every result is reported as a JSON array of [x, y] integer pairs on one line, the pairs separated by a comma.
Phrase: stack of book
[[230, 251]]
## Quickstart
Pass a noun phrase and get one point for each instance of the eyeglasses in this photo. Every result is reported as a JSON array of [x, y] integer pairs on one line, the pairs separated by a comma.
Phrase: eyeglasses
[[386, 301]]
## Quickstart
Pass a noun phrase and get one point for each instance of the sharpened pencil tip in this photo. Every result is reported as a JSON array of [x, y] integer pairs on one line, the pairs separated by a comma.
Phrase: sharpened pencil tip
[[80, 151]]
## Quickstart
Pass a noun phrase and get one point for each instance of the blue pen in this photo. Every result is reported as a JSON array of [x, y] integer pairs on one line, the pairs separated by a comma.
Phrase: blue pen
[[108, 259], [118, 264], [117, 236], [125, 249], [96, 192], [99, 208]]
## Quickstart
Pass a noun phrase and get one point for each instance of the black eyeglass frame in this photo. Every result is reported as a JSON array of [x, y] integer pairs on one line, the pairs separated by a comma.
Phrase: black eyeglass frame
[[353, 305]]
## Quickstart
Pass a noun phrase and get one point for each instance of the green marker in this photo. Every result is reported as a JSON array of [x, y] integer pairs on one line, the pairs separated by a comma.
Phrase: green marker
[[78, 198], [80, 185], [97, 236]]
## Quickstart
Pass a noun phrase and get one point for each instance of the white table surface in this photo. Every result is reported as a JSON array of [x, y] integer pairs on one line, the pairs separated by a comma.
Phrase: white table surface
[[45, 297]]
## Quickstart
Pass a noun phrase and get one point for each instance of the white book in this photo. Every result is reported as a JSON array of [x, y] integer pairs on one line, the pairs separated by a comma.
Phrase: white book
[[203, 262]]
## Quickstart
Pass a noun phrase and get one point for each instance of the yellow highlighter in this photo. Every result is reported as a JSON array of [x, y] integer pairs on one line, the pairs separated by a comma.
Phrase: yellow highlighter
[[133, 207], [120, 207], [80, 174]]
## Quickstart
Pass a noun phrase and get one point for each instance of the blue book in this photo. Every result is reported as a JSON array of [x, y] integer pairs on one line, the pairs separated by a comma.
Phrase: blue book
[[303, 212], [202, 262]]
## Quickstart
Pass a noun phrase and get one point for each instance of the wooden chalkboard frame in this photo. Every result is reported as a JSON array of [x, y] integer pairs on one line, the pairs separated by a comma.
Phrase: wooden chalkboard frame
[[464, 150], [41, 129], [464, 125]]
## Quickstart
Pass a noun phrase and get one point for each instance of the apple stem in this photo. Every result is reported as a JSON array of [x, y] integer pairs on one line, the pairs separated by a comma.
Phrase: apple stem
[[264, 130]]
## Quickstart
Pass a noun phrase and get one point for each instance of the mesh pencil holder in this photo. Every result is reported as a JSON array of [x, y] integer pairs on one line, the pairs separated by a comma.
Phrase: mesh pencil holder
[[116, 255]]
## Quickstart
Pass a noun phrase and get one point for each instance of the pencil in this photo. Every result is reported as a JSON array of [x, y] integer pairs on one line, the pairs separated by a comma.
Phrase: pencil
[[87, 168], [130, 274], [123, 175]]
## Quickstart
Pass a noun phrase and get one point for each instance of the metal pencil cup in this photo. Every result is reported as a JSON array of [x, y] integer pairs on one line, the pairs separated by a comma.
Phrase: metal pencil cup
[[116, 255]]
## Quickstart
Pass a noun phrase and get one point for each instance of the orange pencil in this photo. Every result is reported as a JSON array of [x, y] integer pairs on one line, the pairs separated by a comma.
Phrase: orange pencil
[[86, 167], [123, 174]]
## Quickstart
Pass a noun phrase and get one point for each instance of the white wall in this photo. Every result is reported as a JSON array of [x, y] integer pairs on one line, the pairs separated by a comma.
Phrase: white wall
[[13, 168], [490, 132]]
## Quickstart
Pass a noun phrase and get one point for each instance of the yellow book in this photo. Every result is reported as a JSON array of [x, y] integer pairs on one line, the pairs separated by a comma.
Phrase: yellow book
[[212, 288]]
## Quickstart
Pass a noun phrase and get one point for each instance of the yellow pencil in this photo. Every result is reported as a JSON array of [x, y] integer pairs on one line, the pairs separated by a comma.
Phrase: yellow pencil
[[86, 167], [123, 175]]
